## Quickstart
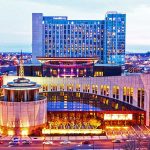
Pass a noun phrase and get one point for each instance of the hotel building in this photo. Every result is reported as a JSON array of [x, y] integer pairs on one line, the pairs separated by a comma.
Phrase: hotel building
[[56, 36]]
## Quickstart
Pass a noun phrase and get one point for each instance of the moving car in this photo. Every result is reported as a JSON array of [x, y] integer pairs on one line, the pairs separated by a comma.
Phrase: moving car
[[117, 141], [86, 143], [48, 142], [13, 143], [15, 139], [65, 142], [26, 142]]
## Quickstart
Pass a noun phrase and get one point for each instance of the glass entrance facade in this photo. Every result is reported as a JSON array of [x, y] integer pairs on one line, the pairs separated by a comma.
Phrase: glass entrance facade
[[75, 110]]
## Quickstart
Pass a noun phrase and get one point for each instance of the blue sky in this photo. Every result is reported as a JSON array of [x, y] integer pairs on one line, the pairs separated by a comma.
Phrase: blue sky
[[16, 25]]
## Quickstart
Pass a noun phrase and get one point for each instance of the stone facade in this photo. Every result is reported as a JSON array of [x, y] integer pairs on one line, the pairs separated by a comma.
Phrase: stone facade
[[78, 84]]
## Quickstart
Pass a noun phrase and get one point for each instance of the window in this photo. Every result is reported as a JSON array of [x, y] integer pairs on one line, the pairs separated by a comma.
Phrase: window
[[140, 96], [128, 94], [94, 89], [70, 87], [45, 87], [98, 74], [53, 87], [116, 92], [62, 87], [104, 90], [78, 87]]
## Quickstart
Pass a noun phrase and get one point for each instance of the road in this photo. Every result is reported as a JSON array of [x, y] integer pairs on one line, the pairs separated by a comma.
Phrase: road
[[75, 145], [96, 142]]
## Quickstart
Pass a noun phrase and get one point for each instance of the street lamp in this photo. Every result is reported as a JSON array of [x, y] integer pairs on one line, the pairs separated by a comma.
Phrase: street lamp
[[113, 145], [92, 141], [43, 141]]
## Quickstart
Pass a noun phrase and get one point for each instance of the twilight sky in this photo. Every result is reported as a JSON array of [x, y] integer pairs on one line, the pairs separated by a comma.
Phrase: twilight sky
[[16, 25]]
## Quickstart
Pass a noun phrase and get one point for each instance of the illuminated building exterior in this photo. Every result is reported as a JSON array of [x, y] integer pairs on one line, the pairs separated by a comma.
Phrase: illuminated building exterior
[[56, 36], [115, 32], [94, 103], [68, 67], [22, 109]]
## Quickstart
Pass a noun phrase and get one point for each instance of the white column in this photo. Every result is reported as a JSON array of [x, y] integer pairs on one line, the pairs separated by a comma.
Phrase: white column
[[135, 91], [120, 93]]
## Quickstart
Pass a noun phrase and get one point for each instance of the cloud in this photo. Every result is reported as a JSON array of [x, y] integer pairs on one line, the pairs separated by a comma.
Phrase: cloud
[[16, 17]]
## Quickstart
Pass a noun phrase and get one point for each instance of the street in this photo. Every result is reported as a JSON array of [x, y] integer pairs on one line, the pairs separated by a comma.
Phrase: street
[[74, 145]]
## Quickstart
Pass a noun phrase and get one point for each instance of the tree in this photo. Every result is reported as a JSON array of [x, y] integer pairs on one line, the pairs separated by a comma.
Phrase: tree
[[94, 122]]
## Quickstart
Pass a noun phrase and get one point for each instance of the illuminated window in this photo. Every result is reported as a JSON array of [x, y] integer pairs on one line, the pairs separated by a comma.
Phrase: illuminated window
[[70, 87], [53, 87], [62, 87], [116, 92], [98, 74], [81, 72], [38, 73], [61, 93], [94, 89], [86, 88], [78, 87], [128, 94], [140, 97], [118, 116], [54, 98], [116, 106], [104, 90], [1, 92], [78, 95], [45, 87], [54, 72]]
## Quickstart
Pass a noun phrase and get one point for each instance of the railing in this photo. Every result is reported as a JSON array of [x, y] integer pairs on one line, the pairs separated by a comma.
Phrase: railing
[[40, 97]]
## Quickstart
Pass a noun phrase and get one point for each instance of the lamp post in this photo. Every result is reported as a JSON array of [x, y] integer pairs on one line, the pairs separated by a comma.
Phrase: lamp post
[[113, 145], [43, 141], [92, 141]]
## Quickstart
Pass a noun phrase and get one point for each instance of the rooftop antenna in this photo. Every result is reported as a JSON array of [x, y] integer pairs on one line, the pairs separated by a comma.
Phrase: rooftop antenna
[[21, 69]]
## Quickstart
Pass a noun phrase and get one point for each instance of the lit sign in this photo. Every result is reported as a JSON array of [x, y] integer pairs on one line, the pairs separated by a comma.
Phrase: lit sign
[[71, 131], [117, 116]]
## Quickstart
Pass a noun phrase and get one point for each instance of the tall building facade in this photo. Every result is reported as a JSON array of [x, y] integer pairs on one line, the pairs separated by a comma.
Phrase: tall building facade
[[115, 32], [56, 36]]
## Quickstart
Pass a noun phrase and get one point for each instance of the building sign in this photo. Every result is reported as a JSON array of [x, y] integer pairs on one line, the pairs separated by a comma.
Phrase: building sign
[[117, 116], [71, 131]]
